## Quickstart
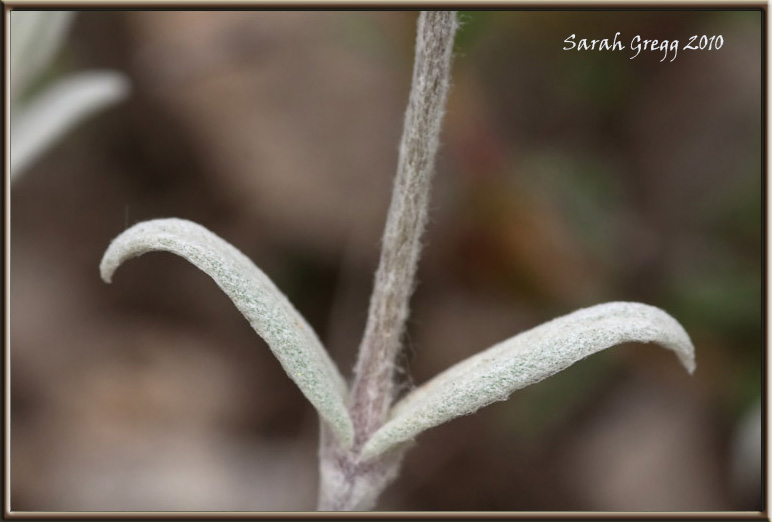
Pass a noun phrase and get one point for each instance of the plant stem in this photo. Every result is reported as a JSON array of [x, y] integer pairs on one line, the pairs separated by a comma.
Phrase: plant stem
[[347, 482], [372, 390]]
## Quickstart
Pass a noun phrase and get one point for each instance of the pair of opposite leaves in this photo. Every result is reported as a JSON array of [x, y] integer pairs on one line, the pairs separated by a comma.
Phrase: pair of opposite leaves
[[489, 376]]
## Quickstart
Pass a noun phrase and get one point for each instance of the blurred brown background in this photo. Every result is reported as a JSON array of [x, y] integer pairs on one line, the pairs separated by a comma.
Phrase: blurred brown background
[[565, 179]]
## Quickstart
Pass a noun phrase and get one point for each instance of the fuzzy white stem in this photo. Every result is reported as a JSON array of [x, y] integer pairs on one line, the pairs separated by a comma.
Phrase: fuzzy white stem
[[372, 391]]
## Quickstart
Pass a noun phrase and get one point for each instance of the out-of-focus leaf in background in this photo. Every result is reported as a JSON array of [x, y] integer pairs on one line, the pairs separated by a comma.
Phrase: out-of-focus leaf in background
[[43, 113]]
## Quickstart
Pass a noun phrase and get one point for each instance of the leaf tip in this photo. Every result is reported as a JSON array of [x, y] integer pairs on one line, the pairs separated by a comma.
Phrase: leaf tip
[[105, 272], [110, 263], [689, 362]]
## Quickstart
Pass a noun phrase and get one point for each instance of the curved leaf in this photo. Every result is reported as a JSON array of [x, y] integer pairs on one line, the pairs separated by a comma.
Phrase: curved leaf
[[525, 359], [272, 316]]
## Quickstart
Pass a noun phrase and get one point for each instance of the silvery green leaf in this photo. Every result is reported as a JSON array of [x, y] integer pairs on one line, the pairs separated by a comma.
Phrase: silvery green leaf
[[36, 36], [270, 313], [527, 358], [40, 122]]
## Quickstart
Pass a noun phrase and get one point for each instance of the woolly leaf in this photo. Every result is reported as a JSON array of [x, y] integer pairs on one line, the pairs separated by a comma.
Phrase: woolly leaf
[[527, 358], [272, 316]]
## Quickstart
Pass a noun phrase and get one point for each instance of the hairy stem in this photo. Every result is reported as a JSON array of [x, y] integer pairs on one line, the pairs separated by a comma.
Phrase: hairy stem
[[372, 391], [347, 482]]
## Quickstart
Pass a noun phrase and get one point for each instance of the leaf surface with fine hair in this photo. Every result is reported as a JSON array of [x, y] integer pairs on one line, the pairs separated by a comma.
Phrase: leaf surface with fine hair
[[270, 313], [525, 359]]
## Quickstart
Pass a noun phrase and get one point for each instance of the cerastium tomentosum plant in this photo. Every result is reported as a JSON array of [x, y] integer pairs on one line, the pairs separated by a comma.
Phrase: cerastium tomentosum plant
[[363, 434]]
